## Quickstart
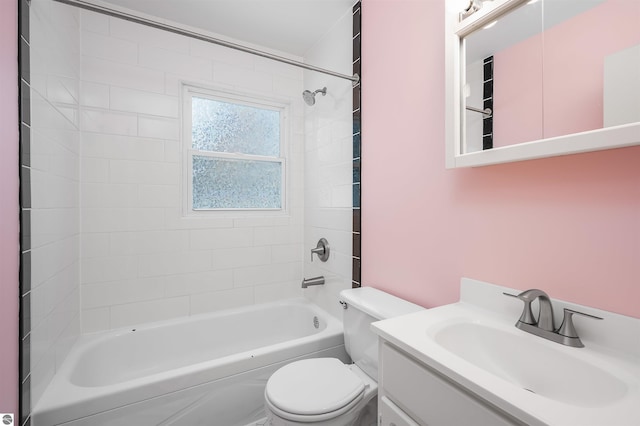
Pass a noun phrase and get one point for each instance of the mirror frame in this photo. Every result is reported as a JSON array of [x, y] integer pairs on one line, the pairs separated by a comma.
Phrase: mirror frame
[[455, 31]]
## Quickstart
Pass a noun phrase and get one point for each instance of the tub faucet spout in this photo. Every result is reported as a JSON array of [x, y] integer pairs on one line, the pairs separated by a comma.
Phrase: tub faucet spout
[[313, 281]]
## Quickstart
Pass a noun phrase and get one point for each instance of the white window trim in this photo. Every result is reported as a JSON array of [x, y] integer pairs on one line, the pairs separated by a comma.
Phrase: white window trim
[[242, 98]]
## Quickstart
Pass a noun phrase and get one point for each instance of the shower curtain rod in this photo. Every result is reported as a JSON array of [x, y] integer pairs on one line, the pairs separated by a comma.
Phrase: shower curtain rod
[[355, 79]]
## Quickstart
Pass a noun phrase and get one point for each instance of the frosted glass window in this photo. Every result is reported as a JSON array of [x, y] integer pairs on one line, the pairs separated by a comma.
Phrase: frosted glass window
[[234, 152], [229, 127], [236, 184]]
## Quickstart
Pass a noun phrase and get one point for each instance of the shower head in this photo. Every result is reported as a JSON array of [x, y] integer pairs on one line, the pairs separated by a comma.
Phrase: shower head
[[310, 97]]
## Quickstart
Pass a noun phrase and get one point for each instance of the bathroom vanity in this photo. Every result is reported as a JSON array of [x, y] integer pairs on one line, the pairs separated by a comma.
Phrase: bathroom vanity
[[466, 363], [410, 386]]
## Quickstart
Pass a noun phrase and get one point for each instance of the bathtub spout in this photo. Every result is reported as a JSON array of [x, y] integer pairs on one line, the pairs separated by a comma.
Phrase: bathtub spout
[[312, 281]]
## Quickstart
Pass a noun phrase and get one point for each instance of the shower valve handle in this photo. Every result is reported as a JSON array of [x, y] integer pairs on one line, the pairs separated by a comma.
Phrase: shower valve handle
[[322, 250]]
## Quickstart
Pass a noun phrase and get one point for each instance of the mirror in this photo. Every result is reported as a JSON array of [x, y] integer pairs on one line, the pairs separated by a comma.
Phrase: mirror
[[532, 79]]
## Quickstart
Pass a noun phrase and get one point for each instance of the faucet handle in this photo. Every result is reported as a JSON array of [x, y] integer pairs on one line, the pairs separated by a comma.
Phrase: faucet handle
[[321, 249], [566, 328], [527, 314]]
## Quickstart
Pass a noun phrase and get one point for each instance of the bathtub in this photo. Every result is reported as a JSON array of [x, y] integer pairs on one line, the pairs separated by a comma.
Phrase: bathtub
[[203, 370]]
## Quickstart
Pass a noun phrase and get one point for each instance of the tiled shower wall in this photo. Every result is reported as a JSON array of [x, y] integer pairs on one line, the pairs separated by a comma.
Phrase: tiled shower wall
[[141, 260], [51, 267], [329, 166]]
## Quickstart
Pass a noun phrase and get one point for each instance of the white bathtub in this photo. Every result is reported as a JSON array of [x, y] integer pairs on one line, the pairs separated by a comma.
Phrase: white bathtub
[[204, 370]]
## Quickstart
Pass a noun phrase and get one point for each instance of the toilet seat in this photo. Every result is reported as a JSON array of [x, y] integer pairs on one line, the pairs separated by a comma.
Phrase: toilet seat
[[313, 390]]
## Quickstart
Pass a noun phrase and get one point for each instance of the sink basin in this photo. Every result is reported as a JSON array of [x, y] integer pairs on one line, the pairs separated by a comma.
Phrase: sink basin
[[531, 363]]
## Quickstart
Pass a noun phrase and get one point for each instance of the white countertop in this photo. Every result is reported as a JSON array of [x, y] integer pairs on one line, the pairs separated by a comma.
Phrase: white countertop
[[484, 304]]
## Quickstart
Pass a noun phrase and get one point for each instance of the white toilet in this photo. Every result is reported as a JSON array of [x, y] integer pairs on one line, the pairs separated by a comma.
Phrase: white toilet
[[325, 391]]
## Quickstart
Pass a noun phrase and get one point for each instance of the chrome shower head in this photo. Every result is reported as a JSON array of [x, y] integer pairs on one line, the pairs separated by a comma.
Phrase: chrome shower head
[[310, 97]]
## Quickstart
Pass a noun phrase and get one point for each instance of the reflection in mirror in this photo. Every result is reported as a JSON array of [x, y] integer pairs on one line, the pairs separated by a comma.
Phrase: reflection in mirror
[[508, 83], [551, 68]]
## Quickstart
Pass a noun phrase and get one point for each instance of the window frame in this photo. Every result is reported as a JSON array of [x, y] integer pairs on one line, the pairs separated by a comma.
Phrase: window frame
[[188, 152]]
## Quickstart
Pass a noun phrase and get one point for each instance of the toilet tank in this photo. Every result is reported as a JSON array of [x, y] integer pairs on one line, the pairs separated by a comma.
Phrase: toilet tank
[[363, 306]]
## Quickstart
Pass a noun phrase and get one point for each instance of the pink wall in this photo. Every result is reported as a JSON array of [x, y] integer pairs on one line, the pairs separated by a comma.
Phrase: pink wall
[[573, 84], [569, 225], [9, 248]]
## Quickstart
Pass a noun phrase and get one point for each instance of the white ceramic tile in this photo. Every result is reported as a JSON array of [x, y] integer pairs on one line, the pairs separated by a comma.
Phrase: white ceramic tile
[[48, 260], [120, 292], [220, 300], [109, 195], [270, 66], [95, 319], [147, 36], [155, 310], [217, 53], [143, 172], [242, 77], [121, 219], [155, 265], [149, 242], [118, 147], [277, 235], [160, 128], [194, 283], [94, 95], [268, 274], [119, 74], [64, 163], [342, 196], [109, 48], [172, 152], [285, 86], [49, 225], [42, 301], [94, 244], [41, 373], [130, 100], [180, 64], [62, 90], [289, 253], [102, 121], [176, 220], [159, 195], [101, 269], [239, 257], [274, 292], [46, 116], [94, 170], [262, 221], [68, 337], [48, 295], [94, 22], [205, 239]]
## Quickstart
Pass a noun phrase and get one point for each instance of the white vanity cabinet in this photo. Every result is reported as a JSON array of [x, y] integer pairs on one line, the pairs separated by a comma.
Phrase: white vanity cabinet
[[413, 394]]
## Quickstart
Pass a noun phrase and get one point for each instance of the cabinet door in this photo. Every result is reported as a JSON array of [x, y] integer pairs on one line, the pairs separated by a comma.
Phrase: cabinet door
[[391, 415], [431, 398]]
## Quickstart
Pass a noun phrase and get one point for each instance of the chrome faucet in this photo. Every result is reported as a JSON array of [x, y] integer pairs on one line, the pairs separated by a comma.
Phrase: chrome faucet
[[544, 326], [312, 281], [321, 249]]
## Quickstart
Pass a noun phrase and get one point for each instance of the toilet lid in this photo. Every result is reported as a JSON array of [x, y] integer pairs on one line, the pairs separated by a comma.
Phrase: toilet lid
[[313, 386]]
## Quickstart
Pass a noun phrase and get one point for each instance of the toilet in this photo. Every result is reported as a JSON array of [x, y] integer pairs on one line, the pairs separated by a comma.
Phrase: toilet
[[325, 391]]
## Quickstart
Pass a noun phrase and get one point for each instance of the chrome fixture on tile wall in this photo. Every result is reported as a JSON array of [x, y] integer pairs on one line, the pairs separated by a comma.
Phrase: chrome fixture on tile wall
[[322, 250]]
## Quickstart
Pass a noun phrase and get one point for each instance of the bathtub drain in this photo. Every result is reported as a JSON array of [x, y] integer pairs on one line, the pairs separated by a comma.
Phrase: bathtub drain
[[316, 323]]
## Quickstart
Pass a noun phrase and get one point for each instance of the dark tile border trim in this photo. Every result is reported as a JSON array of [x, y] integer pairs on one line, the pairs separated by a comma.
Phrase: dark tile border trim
[[24, 346], [357, 147], [487, 100]]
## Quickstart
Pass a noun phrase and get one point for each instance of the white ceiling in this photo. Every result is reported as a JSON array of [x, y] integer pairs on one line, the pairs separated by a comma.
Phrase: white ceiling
[[290, 26]]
